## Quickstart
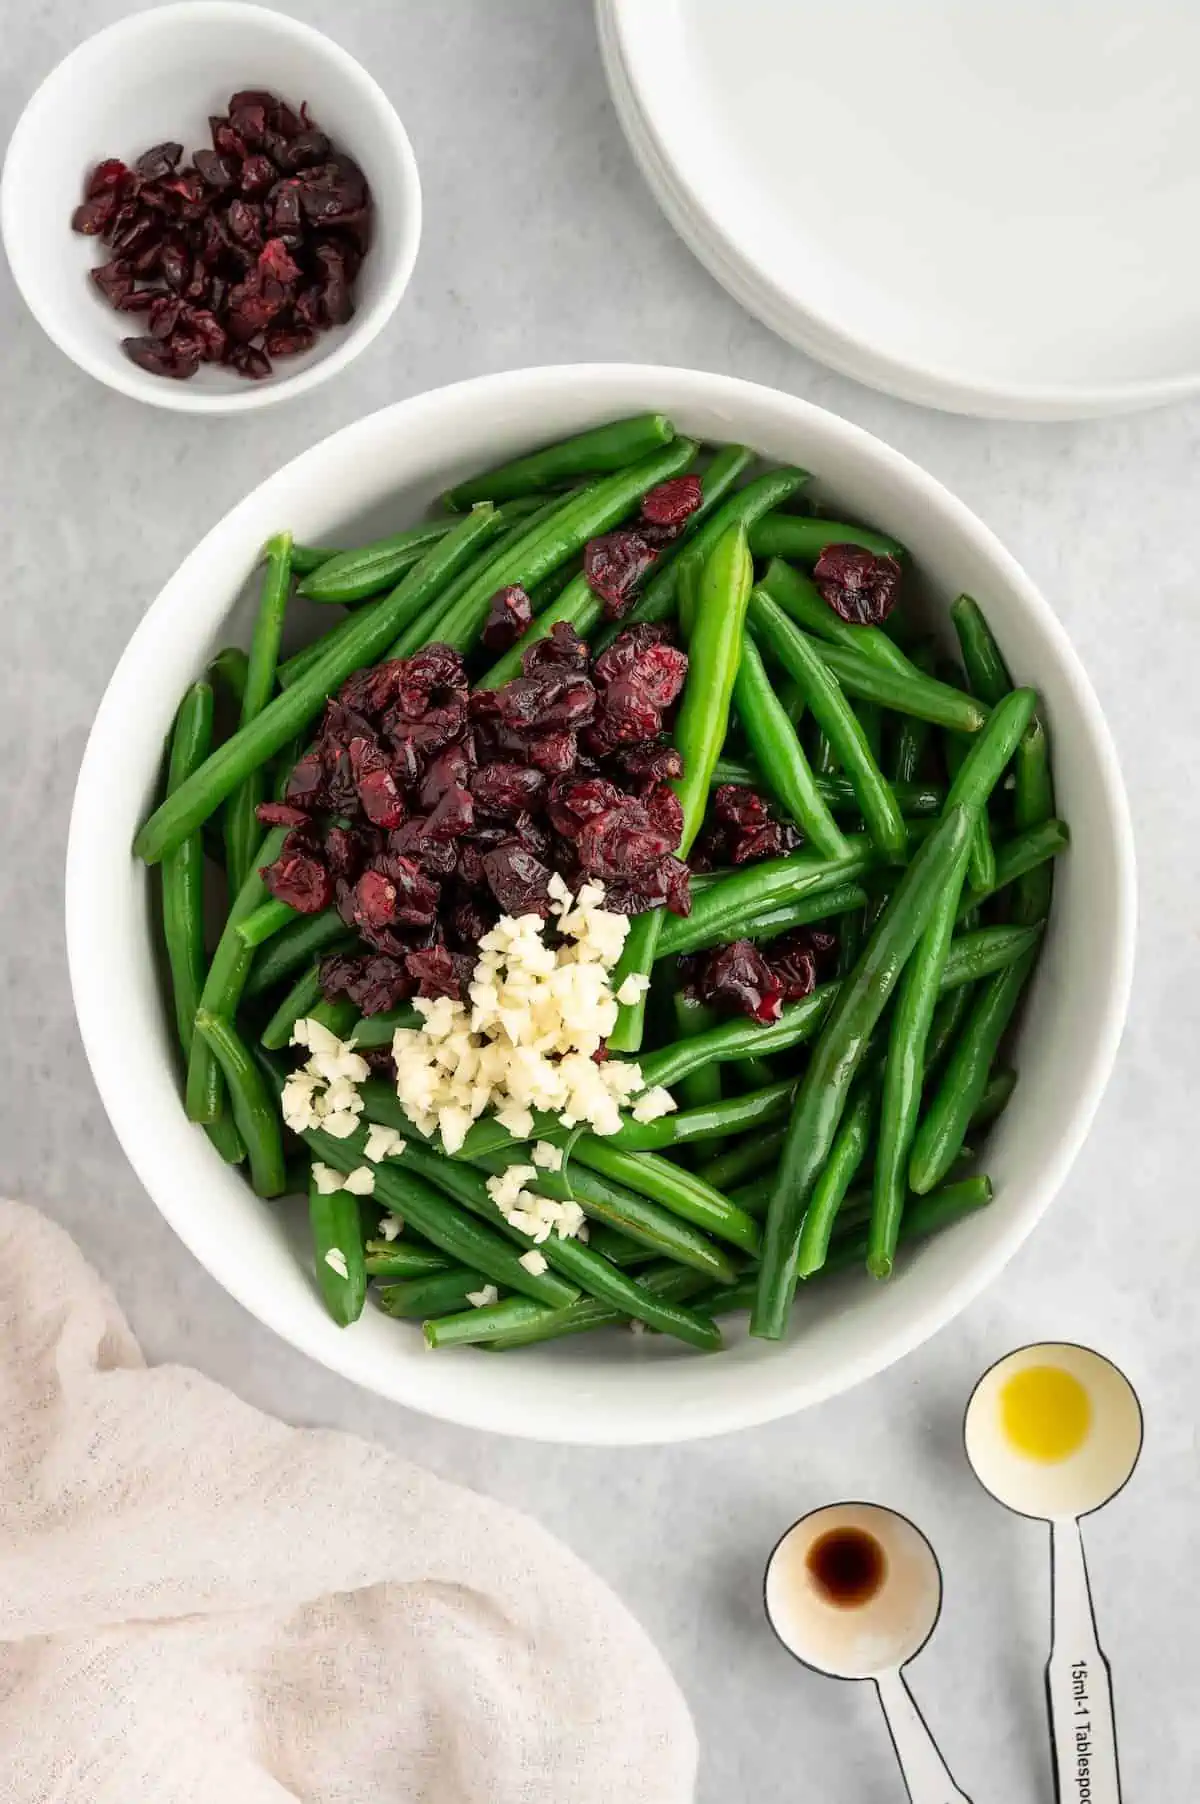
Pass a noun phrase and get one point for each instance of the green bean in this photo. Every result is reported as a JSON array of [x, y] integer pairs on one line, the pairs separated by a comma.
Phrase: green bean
[[336, 1229], [657, 599], [779, 755], [677, 1189], [368, 570], [736, 1039], [822, 905], [309, 656], [381, 1104], [753, 1073], [337, 1015], [707, 1122], [912, 739], [995, 1099], [804, 537], [948, 1017], [747, 1158], [254, 1112], [420, 1298], [242, 831], [307, 558], [544, 594], [714, 651], [611, 447], [268, 919], [723, 908], [1024, 852], [637, 1217], [300, 1001], [964, 1080], [837, 720], [579, 607], [306, 937], [378, 1030], [904, 1072], [1033, 798], [587, 1267], [619, 1250], [915, 799], [940, 703], [223, 986], [986, 950], [846, 1154], [183, 871], [802, 601], [699, 1088], [837, 1056], [425, 1208], [227, 671], [471, 1326], [549, 543], [252, 745], [405, 1259], [986, 670], [669, 1283]]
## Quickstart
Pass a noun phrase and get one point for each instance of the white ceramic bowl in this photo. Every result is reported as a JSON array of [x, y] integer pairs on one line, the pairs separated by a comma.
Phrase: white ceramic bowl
[[158, 75], [617, 1387]]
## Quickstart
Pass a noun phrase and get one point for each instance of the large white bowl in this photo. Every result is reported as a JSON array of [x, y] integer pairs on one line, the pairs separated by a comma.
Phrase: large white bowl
[[158, 75], [613, 1388]]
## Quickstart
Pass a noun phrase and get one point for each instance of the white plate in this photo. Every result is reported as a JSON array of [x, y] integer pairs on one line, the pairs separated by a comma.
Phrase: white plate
[[977, 207]]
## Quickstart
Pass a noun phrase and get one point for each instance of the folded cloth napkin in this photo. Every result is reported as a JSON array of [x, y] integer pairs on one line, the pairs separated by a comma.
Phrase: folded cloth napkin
[[199, 1603]]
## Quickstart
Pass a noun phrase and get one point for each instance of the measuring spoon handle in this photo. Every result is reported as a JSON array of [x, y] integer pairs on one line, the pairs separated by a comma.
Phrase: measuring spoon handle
[[1083, 1731], [926, 1774]]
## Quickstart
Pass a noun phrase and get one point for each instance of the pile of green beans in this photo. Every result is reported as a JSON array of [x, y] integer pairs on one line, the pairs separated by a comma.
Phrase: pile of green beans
[[836, 1134]]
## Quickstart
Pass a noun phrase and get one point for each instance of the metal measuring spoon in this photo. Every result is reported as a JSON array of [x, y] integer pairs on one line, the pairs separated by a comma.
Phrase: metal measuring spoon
[[854, 1591], [1054, 1431]]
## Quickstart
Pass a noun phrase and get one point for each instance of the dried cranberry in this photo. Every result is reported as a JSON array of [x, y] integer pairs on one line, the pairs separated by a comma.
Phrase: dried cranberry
[[280, 814], [153, 164], [114, 280], [301, 881], [288, 341], [91, 216], [215, 170], [284, 216], [640, 655], [307, 307], [469, 922], [555, 753], [336, 303], [572, 805], [546, 701], [664, 884], [622, 841], [140, 301], [249, 120], [376, 900], [859, 586], [249, 361], [258, 174], [737, 978], [176, 264], [794, 963], [372, 984], [331, 190], [424, 676], [381, 800], [275, 261], [665, 810], [345, 852], [204, 328], [451, 769], [746, 829], [824, 945], [105, 177], [519, 881], [159, 359], [306, 785], [437, 972], [673, 501], [654, 761], [304, 150], [509, 614], [244, 222], [416, 896], [626, 716], [437, 857], [452, 816], [505, 790], [138, 235], [561, 649], [614, 565]]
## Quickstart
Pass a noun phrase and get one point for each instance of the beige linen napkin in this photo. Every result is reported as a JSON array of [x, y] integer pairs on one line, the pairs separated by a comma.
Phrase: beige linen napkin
[[199, 1603]]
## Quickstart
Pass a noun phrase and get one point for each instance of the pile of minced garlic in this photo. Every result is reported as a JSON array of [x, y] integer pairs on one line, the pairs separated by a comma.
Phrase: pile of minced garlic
[[524, 1041]]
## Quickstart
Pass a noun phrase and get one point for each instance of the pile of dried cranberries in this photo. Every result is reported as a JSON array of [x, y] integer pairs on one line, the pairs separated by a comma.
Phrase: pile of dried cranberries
[[244, 254], [424, 811]]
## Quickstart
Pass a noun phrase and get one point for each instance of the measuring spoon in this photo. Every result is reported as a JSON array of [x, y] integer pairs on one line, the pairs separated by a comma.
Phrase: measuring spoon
[[854, 1591], [1054, 1431]]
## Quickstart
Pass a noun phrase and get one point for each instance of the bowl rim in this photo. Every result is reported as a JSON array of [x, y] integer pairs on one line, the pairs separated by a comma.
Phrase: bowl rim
[[178, 397], [566, 1421]]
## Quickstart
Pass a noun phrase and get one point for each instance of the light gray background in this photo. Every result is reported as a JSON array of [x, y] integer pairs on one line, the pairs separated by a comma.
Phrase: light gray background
[[542, 245]]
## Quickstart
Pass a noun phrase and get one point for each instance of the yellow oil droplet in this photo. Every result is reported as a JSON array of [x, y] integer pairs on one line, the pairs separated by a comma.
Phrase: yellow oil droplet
[[1045, 1413]]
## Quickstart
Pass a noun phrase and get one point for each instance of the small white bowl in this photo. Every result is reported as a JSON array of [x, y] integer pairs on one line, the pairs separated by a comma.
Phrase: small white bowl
[[158, 75], [609, 1388]]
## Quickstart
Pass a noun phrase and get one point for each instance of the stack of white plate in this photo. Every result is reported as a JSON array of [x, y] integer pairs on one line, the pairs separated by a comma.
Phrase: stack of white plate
[[986, 207]]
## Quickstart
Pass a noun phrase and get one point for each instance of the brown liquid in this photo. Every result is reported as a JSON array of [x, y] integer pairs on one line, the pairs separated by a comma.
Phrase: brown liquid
[[848, 1566]]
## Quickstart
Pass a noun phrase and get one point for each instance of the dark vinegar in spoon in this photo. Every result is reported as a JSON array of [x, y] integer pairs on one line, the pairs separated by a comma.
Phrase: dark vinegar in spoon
[[848, 1567]]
